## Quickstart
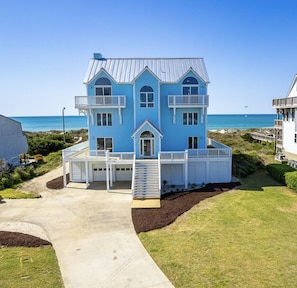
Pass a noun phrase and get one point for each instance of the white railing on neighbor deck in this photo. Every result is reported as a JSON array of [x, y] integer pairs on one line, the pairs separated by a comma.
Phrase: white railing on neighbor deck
[[116, 101], [288, 102]]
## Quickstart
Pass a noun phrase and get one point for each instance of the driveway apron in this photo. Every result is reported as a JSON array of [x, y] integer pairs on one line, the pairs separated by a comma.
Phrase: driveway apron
[[93, 236]]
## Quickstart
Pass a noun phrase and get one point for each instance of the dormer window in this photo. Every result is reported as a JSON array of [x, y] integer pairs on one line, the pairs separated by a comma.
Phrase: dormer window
[[103, 87], [190, 86], [146, 97]]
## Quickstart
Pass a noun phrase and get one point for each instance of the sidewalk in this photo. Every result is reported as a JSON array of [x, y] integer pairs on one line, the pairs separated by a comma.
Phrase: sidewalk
[[92, 234]]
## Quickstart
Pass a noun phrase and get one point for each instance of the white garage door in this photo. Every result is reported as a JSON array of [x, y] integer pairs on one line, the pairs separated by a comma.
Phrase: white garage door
[[99, 173], [123, 173]]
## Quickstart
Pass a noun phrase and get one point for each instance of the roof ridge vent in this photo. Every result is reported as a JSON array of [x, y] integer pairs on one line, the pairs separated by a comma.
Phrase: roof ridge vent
[[98, 56]]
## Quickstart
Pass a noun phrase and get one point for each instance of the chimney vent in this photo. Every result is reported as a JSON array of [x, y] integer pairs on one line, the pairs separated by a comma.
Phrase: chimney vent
[[98, 56]]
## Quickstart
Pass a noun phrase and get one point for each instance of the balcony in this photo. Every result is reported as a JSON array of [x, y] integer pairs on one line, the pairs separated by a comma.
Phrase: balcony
[[93, 102], [289, 102], [278, 124], [187, 101]]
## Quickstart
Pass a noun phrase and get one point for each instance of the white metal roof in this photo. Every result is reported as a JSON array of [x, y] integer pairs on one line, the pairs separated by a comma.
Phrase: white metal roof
[[125, 70]]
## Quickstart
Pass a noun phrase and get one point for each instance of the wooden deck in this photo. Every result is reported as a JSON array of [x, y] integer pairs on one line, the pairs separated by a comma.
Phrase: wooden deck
[[262, 137]]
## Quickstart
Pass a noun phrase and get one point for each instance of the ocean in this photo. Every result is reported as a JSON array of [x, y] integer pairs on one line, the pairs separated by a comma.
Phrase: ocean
[[215, 122]]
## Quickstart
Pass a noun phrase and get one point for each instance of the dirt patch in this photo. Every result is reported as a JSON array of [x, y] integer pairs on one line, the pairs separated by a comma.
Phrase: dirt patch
[[173, 205], [15, 239]]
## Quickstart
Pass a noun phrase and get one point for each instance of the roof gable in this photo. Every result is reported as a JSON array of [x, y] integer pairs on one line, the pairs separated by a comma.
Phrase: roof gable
[[291, 92], [167, 70], [147, 125]]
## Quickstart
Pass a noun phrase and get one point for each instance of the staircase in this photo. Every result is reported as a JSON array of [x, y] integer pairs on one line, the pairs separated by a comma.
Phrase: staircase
[[146, 180]]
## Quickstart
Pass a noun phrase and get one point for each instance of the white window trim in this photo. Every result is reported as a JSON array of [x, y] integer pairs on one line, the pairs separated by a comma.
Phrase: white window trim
[[188, 118], [106, 117], [104, 144], [146, 103], [103, 86], [193, 142]]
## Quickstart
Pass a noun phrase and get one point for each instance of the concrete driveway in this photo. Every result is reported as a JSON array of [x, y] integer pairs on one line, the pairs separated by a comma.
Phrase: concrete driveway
[[92, 233]]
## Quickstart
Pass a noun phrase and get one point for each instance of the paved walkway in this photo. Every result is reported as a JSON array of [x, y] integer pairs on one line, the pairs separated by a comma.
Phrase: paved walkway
[[91, 232]]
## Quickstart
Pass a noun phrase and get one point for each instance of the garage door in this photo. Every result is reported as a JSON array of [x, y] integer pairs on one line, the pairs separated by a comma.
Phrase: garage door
[[99, 173], [123, 172]]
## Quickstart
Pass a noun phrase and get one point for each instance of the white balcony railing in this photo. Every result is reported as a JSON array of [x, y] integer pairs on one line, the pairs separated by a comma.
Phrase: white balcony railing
[[289, 102], [86, 102], [278, 123], [180, 101]]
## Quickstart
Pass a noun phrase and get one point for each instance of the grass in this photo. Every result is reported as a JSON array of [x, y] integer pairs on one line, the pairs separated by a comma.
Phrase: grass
[[11, 193], [29, 267], [242, 238]]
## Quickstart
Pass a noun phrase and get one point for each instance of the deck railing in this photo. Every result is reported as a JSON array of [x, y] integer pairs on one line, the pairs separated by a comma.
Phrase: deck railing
[[175, 101], [81, 152], [278, 123], [114, 101], [288, 102]]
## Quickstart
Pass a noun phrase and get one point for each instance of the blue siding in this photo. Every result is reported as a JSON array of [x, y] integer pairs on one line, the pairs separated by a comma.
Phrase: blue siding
[[151, 113], [175, 135]]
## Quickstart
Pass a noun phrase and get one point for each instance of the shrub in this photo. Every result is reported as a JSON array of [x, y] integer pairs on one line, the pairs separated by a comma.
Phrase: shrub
[[277, 171], [21, 171], [6, 182], [1, 198], [245, 164], [291, 180]]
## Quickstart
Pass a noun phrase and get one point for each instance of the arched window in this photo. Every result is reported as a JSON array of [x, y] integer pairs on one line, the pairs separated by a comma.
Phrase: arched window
[[146, 97], [103, 87], [190, 86]]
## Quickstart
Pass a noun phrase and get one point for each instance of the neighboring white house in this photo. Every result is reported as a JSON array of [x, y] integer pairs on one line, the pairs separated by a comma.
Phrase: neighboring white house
[[286, 123], [13, 141]]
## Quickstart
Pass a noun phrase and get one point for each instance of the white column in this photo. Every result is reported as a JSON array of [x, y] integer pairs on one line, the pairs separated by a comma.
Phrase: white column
[[64, 170], [87, 173], [186, 169], [107, 170]]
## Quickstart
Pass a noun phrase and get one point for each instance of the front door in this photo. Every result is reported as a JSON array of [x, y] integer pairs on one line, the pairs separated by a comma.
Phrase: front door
[[147, 145]]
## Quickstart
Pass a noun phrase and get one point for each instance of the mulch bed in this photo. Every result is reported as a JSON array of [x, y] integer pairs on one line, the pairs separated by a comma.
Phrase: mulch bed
[[57, 183], [175, 204], [15, 239], [172, 206]]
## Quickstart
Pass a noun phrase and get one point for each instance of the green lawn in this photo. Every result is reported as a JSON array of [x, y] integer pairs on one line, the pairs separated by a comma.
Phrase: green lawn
[[11, 193], [29, 267], [242, 238]]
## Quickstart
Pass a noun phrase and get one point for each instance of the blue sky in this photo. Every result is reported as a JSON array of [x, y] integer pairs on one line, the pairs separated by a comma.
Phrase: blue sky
[[249, 48]]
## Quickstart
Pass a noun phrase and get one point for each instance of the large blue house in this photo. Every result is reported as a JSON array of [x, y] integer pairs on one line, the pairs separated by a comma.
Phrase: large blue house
[[147, 123]]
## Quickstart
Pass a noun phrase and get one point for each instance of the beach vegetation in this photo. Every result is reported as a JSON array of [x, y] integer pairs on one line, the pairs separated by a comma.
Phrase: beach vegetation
[[248, 155]]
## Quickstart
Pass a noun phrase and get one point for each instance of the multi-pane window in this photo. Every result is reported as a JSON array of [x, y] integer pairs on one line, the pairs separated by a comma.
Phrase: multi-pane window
[[193, 142], [146, 97], [104, 144], [104, 119], [190, 118], [190, 86], [103, 87]]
